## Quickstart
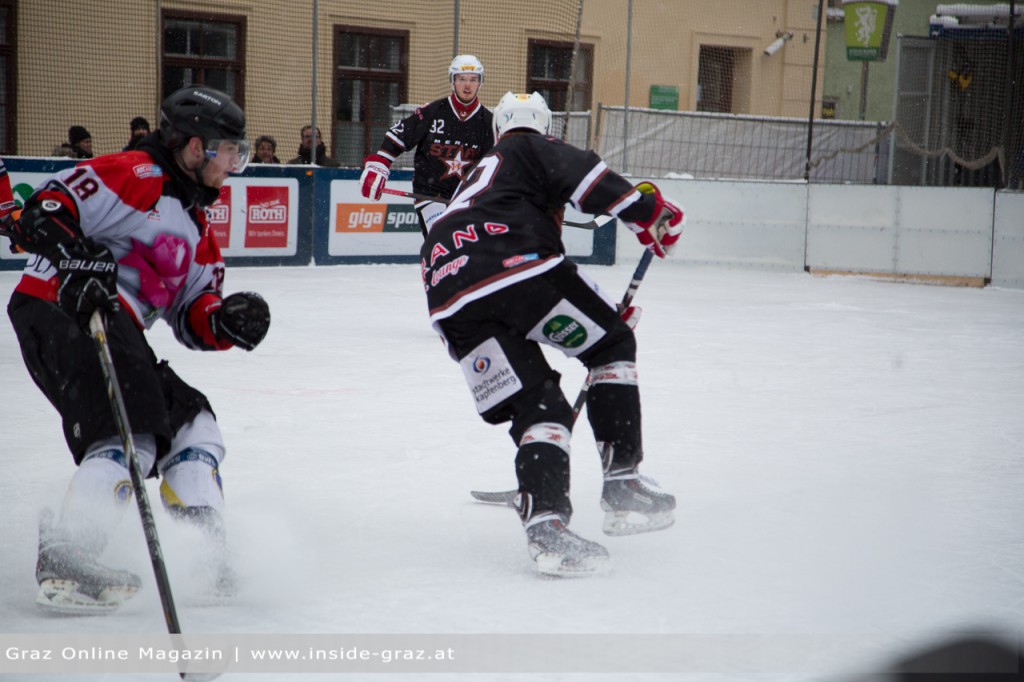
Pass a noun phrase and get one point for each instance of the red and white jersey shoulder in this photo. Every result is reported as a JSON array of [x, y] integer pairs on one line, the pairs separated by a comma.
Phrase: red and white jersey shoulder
[[167, 255]]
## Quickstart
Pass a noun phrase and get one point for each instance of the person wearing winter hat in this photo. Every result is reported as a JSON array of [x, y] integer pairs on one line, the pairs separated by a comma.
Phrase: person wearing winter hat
[[139, 129], [81, 142]]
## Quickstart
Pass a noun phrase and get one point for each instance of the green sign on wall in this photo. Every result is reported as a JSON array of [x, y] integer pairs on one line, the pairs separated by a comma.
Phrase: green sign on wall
[[868, 26], [664, 97]]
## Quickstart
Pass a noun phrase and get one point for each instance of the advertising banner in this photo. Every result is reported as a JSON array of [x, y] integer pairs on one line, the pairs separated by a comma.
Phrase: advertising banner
[[258, 217], [359, 230]]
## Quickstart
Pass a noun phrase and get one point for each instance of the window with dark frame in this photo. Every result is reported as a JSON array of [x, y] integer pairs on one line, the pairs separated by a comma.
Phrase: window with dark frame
[[8, 74], [370, 67], [547, 72], [203, 49], [716, 71]]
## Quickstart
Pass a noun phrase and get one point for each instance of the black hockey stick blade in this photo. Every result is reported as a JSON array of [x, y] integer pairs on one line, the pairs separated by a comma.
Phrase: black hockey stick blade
[[505, 498]]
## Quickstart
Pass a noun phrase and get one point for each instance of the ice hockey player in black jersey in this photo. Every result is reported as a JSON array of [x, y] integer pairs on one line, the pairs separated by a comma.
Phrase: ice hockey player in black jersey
[[449, 136], [499, 284]]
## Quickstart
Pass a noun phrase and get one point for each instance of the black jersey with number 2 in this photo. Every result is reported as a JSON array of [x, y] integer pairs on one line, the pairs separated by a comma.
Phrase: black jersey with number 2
[[504, 223], [448, 140]]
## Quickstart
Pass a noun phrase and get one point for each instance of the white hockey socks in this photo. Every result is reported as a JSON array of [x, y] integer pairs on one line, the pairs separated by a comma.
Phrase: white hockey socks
[[100, 491]]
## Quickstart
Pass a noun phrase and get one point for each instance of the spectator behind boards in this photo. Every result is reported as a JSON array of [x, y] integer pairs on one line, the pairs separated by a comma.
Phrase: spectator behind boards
[[306, 147], [78, 146], [265, 150], [139, 128]]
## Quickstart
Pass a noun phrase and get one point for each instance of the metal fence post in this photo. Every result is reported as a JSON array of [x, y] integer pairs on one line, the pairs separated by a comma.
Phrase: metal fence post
[[814, 91], [312, 118], [625, 114]]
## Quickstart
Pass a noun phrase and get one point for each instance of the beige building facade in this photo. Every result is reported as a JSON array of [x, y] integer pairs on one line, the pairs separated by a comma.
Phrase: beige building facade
[[98, 63]]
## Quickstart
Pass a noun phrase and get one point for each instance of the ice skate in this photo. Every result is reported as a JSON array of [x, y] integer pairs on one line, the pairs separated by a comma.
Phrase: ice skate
[[635, 504], [72, 581], [559, 551]]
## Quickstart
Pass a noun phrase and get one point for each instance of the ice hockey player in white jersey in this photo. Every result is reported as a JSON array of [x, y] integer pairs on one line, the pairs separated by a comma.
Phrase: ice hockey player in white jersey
[[499, 284], [127, 234]]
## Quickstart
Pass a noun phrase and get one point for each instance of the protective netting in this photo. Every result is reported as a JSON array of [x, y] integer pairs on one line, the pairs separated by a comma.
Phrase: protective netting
[[710, 90], [953, 110]]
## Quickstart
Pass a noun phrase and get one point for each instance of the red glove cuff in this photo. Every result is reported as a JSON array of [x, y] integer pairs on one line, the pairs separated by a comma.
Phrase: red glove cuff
[[377, 158], [199, 314], [659, 205]]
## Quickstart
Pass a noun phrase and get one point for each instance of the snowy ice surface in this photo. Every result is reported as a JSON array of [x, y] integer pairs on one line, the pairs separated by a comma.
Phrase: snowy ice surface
[[848, 456]]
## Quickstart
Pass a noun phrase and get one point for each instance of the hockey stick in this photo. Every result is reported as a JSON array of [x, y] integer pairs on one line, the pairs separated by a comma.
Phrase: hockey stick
[[507, 497], [413, 195], [592, 225], [99, 333]]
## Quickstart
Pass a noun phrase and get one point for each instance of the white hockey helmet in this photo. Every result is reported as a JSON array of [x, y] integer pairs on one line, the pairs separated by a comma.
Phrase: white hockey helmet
[[465, 63], [521, 111]]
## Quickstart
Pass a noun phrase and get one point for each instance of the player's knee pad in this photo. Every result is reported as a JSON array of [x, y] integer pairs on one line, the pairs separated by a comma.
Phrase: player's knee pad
[[544, 403], [202, 433], [191, 480], [619, 373], [542, 467]]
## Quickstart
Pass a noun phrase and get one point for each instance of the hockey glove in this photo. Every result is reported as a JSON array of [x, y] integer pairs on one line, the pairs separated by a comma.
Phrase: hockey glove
[[8, 223], [660, 233], [87, 273], [630, 315], [242, 319], [48, 221], [376, 172]]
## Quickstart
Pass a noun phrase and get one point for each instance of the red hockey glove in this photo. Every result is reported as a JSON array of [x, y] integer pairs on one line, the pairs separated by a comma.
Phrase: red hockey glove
[[660, 233], [376, 171]]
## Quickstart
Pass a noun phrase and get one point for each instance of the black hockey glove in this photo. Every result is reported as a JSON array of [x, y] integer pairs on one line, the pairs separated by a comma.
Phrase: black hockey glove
[[243, 319], [87, 273], [45, 223]]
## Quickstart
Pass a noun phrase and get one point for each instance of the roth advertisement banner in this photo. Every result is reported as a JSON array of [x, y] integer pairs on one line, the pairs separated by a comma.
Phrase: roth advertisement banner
[[258, 217]]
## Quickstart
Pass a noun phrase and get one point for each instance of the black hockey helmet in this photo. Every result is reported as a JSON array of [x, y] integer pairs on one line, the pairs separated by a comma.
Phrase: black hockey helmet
[[206, 113]]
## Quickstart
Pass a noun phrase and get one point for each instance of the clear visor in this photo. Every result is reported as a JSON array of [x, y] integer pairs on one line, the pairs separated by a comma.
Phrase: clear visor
[[231, 155]]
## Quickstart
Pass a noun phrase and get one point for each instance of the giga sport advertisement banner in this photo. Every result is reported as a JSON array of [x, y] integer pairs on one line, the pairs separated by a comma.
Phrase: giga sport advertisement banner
[[359, 229]]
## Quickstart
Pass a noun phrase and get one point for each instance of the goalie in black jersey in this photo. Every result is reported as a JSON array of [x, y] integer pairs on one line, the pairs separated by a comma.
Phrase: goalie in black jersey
[[449, 136], [499, 284]]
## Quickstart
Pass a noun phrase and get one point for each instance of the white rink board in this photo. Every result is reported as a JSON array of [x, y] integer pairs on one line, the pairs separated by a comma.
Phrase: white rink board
[[900, 230], [1008, 241], [738, 224]]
